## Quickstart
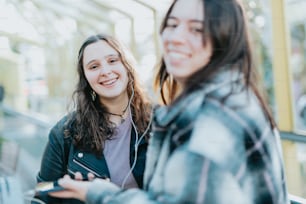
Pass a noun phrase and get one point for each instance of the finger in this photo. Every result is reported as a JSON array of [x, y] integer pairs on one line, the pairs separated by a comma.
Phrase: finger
[[78, 176], [69, 184], [66, 181], [66, 176], [63, 194], [90, 176], [73, 189]]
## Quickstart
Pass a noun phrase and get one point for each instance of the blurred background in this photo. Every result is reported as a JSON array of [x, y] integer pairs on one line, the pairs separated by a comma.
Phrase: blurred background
[[39, 41]]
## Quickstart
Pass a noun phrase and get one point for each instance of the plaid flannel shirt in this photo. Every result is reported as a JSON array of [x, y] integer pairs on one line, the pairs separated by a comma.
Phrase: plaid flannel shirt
[[210, 152]]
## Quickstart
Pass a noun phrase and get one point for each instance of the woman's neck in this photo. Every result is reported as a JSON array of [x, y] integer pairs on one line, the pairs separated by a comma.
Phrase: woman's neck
[[117, 108], [116, 105]]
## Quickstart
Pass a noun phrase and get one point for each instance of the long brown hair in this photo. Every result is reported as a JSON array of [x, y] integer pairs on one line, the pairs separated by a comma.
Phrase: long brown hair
[[90, 123], [226, 27]]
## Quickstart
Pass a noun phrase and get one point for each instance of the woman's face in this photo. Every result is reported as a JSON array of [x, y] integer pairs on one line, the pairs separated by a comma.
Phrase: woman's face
[[104, 71], [184, 52]]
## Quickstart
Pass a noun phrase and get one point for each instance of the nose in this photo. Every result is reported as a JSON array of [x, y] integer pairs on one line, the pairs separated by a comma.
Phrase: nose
[[105, 70], [177, 35]]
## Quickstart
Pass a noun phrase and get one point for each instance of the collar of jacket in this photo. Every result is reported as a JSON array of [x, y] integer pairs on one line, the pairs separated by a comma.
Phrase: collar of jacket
[[192, 102]]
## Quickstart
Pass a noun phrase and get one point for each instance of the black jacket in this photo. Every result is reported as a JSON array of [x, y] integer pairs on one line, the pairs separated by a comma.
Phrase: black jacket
[[61, 157]]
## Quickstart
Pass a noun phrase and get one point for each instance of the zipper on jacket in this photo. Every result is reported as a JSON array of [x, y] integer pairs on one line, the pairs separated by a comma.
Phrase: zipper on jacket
[[87, 168]]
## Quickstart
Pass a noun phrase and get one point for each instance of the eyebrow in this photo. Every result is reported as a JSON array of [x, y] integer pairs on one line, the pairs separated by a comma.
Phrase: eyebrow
[[191, 21], [89, 62], [112, 55], [107, 56]]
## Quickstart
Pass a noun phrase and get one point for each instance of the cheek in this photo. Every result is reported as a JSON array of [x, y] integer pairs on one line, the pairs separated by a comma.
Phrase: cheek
[[123, 73], [90, 77], [164, 37], [205, 52], [87, 76], [125, 77], [198, 46]]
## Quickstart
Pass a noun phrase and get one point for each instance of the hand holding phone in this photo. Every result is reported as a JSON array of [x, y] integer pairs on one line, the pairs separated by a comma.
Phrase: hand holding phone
[[44, 188], [84, 176]]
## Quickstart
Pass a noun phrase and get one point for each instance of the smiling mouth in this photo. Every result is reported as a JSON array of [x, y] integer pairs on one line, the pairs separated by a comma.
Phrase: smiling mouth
[[177, 56], [109, 82]]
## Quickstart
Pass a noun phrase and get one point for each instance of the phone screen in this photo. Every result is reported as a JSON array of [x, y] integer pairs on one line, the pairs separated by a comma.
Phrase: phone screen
[[46, 187]]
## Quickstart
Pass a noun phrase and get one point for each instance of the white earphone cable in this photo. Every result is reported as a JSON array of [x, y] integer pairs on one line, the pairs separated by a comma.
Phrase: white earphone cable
[[137, 140]]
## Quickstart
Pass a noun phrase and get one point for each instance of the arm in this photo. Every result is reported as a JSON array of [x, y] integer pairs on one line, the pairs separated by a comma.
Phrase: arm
[[184, 178], [189, 185], [99, 191], [53, 161], [194, 173], [53, 164]]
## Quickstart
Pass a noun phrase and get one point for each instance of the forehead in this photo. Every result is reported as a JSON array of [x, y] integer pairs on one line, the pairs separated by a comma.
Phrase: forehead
[[188, 9], [97, 50]]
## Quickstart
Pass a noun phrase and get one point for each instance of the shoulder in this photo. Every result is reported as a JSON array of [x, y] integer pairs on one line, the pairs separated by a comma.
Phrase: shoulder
[[66, 121], [223, 128], [57, 132], [214, 136], [242, 108]]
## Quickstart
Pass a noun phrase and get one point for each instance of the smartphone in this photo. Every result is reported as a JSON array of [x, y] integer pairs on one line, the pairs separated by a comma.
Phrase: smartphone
[[44, 188]]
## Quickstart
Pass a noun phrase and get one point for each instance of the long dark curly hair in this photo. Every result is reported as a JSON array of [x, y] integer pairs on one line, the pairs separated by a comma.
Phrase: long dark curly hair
[[226, 27], [89, 124]]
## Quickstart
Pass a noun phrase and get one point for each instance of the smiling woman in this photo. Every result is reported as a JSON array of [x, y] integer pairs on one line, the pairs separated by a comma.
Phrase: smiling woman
[[182, 39], [106, 135], [106, 74]]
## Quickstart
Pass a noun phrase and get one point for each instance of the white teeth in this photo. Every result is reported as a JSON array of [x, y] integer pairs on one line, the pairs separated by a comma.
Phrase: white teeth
[[176, 55], [109, 82]]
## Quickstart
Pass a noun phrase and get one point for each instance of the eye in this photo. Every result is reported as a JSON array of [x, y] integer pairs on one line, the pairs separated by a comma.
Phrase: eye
[[196, 28], [94, 66], [113, 60], [171, 23]]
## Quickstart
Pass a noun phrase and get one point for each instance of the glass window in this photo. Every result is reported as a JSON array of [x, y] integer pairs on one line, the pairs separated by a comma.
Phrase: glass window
[[297, 26], [258, 14]]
